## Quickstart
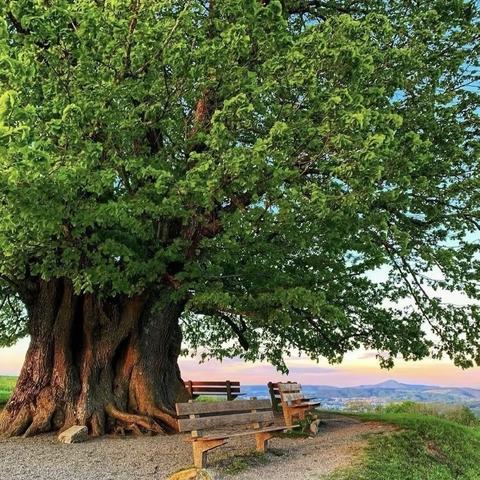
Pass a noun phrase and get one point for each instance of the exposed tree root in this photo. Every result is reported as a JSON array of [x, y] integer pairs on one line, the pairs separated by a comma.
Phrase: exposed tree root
[[166, 419], [12, 426], [121, 430], [132, 419], [41, 421]]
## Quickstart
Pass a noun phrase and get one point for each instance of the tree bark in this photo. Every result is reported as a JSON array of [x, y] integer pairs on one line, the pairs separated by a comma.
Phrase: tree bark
[[109, 364]]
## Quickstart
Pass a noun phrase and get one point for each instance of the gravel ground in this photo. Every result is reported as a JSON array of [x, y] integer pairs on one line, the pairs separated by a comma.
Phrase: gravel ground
[[339, 442]]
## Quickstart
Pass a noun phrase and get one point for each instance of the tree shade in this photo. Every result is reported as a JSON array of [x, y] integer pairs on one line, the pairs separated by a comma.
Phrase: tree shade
[[238, 169]]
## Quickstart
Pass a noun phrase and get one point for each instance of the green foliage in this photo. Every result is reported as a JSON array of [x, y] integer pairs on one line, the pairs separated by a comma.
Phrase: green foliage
[[426, 448], [13, 322], [261, 157], [454, 413], [304, 425], [7, 384]]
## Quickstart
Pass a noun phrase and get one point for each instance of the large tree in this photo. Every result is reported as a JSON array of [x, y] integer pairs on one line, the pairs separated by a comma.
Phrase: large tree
[[232, 173]]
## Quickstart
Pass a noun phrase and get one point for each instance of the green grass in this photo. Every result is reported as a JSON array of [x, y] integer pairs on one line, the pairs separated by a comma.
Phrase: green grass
[[210, 398], [7, 384], [243, 462], [424, 448]]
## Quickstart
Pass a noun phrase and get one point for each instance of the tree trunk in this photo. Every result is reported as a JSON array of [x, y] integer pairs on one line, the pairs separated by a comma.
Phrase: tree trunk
[[109, 364]]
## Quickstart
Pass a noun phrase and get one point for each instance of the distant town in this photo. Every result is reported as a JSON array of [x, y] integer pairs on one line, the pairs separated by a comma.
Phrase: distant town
[[365, 396]]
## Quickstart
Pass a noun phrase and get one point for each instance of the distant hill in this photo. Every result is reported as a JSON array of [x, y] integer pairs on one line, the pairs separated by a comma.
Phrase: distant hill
[[389, 391]]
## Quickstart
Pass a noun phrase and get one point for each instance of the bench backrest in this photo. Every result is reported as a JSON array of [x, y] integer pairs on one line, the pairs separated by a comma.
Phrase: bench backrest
[[290, 392], [221, 387], [275, 393], [196, 416]]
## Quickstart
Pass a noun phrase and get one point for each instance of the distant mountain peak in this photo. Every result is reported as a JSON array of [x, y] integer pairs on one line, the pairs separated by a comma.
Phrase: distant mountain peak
[[390, 384], [394, 385]]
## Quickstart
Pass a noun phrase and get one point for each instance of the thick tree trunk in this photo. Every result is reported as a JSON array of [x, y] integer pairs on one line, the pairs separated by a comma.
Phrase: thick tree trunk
[[108, 364]]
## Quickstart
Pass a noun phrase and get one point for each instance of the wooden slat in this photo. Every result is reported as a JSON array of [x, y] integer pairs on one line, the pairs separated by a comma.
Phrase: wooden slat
[[189, 424], [199, 408], [218, 393], [289, 387], [206, 384], [305, 405], [250, 432], [291, 397], [214, 389]]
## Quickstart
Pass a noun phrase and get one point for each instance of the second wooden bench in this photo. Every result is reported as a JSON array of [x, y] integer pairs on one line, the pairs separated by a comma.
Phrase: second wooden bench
[[294, 403], [224, 388]]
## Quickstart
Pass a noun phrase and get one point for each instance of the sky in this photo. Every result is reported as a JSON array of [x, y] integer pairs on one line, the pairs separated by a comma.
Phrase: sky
[[359, 368]]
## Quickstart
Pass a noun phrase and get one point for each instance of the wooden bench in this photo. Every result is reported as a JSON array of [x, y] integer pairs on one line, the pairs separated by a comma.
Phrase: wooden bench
[[195, 417], [293, 401], [226, 388], [275, 395]]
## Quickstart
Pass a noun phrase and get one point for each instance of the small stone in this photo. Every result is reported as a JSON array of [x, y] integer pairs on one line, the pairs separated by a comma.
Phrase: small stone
[[314, 427], [76, 434], [191, 474]]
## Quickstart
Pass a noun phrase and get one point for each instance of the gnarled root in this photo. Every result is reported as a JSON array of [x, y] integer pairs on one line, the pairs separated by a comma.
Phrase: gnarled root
[[130, 419], [44, 410], [14, 425], [166, 419]]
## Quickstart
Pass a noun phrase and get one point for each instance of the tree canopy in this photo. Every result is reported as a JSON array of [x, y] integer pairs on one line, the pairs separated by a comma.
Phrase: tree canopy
[[258, 159]]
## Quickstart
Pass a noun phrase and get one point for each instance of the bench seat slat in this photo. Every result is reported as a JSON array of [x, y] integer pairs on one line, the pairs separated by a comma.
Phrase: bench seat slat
[[303, 405], [242, 434], [198, 408], [189, 424]]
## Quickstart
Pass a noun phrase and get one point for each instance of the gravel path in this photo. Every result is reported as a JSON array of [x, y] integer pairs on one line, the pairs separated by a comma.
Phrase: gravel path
[[128, 458]]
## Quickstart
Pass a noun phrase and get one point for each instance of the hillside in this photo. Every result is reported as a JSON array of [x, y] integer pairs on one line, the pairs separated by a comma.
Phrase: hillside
[[424, 448]]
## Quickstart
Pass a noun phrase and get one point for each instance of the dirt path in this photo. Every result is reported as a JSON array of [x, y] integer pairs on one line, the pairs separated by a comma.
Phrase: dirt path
[[339, 442]]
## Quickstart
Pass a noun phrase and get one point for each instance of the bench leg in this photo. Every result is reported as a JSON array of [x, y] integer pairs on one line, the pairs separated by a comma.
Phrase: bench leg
[[200, 449], [287, 415], [262, 441]]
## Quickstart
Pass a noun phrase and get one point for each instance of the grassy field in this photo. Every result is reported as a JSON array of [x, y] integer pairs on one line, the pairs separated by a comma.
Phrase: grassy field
[[426, 447], [6, 387]]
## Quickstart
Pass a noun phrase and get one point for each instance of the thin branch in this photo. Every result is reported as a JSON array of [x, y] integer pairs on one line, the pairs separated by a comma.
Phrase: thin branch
[[245, 344], [135, 7]]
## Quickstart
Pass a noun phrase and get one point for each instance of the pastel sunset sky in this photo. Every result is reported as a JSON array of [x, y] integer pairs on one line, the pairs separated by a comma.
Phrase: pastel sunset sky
[[358, 368]]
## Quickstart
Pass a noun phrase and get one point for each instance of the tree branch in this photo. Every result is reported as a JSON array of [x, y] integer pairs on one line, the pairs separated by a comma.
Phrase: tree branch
[[239, 331]]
